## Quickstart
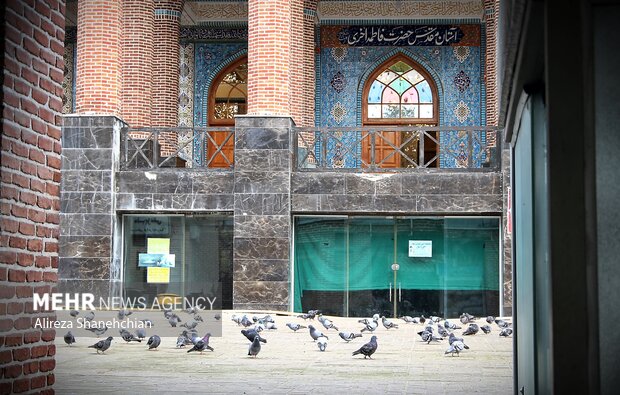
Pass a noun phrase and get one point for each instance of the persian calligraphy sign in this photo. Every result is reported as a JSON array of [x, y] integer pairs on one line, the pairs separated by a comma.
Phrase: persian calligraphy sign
[[427, 35]]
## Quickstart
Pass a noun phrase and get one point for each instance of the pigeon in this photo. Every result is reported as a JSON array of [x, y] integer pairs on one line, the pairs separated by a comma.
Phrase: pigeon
[[102, 345], [304, 316], [191, 310], [434, 318], [348, 336], [182, 341], [490, 319], [486, 329], [368, 349], [452, 338], [173, 320], [69, 339], [407, 319], [442, 331], [90, 316], [371, 326], [245, 321], [140, 333], [316, 333], [502, 323], [420, 319], [387, 323], [295, 327], [505, 332], [216, 316], [250, 334], [190, 325], [202, 344], [148, 323], [450, 325], [236, 319], [472, 329], [313, 313], [198, 318], [259, 327], [321, 342], [124, 313], [74, 313], [254, 347], [328, 324], [455, 347], [464, 318], [428, 337], [96, 330], [153, 342], [270, 326], [128, 337]]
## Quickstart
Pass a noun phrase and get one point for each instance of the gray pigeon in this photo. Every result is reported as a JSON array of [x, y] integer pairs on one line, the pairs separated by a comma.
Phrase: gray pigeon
[[128, 336], [455, 347], [96, 330], [74, 313], [407, 319], [368, 349], [250, 334], [486, 329], [173, 320], [202, 344], [90, 316], [102, 345], [270, 326], [371, 326], [442, 331], [452, 338], [502, 323], [505, 332], [490, 319], [198, 318], [295, 327], [315, 333], [245, 321], [153, 342], [387, 323], [328, 324], [140, 333], [321, 342], [428, 337], [254, 347], [348, 336], [69, 339], [124, 313], [190, 325], [450, 325], [182, 340], [472, 329], [148, 323]]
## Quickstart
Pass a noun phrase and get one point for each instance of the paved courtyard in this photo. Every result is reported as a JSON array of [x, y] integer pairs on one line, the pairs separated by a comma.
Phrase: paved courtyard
[[289, 363]]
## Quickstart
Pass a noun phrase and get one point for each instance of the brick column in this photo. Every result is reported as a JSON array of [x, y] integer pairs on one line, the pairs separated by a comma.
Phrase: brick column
[[166, 63], [137, 62], [29, 201], [98, 74], [309, 76]]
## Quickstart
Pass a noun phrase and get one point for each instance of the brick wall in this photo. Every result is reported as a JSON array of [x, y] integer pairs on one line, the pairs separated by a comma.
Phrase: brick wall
[[98, 74], [29, 200], [137, 62]]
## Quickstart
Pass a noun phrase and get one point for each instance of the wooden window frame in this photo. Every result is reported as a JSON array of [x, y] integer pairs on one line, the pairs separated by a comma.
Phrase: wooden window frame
[[213, 89]]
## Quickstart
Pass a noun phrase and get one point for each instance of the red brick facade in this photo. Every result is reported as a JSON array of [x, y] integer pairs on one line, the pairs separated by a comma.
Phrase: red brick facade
[[29, 200], [98, 75]]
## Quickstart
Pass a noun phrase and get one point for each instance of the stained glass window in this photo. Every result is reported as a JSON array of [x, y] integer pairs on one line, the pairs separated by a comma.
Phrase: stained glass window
[[231, 94], [400, 91]]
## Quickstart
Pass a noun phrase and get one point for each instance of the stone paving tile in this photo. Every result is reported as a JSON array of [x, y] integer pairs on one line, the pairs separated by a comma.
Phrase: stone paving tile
[[290, 363]]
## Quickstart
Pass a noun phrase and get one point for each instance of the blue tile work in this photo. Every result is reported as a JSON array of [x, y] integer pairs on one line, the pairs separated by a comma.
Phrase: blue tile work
[[210, 59], [448, 67]]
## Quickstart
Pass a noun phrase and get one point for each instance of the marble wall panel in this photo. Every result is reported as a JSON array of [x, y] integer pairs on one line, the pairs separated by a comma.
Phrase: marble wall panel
[[255, 121], [86, 224], [84, 246], [92, 180], [213, 182], [261, 248], [262, 204], [318, 183], [85, 137], [85, 202], [305, 203], [261, 182], [259, 226], [261, 270], [100, 288], [257, 292], [459, 204], [274, 160], [452, 183], [262, 138], [84, 268], [86, 159], [134, 201]]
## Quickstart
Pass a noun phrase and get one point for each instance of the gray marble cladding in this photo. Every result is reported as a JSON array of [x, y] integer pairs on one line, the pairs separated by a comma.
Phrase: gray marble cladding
[[261, 248], [262, 203], [180, 202], [259, 226], [262, 138], [90, 121], [317, 183], [84, 246], [86, 159], [86, 180], [258, 292], [261, 182], [182, 181], [256, 121], [85, 202], [99, 288], [86, 224], [472, 183], [84, 268], [261, 270], [87, 137], [262, 159]]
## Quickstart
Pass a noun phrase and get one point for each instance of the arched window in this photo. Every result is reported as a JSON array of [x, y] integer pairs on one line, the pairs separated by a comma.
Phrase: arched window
[[228, 97], [398, 93]]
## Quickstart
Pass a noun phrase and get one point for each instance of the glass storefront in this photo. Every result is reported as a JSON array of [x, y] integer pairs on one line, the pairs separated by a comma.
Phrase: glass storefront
[[445, 265], [186, 256]]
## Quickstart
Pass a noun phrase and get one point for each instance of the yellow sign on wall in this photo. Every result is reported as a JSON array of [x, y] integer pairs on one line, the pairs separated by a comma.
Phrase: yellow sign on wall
[[157, 246], [158, 275]]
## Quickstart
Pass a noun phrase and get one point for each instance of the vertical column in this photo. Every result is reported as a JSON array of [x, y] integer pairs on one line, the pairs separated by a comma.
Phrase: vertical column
[[166, 60], [137, 62], [32, 57], [98, 74], [309, 72], [262, 213]]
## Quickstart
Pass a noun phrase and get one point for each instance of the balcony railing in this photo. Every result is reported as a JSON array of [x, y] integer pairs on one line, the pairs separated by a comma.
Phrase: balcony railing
[[369, 149], [375, 149], [151, 148]]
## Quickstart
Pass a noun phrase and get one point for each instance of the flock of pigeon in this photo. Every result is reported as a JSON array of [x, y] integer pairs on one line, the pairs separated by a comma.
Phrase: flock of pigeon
[[434, 331]]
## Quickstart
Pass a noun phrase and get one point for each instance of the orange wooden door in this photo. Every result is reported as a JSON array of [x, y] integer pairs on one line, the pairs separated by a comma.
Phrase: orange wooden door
[[386, 156]]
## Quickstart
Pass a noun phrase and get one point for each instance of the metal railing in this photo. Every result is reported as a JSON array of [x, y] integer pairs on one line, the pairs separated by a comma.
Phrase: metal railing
[[375, 149], [211, 147]]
